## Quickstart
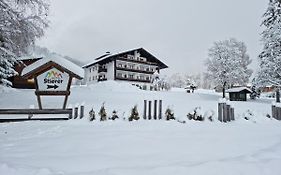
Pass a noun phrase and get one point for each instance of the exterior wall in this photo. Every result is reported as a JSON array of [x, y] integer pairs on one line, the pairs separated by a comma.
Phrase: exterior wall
[[132, 68], [110, 70], [18, 81]]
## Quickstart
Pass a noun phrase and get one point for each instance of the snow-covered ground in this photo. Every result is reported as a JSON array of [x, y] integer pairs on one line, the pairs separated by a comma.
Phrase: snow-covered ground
[[141, 147]]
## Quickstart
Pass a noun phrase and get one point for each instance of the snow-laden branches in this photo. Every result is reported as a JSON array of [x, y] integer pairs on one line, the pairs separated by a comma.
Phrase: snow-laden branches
[[269, 72], [228, 62], [21, 23]]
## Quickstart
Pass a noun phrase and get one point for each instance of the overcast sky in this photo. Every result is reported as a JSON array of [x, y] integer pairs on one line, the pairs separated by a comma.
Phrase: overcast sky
[[178, 32]]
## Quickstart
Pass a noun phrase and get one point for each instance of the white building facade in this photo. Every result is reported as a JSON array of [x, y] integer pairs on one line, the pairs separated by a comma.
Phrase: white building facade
[[135, 66]]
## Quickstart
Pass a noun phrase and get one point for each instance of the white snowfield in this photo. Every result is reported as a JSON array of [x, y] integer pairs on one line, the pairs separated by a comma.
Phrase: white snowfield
[[141, 147]]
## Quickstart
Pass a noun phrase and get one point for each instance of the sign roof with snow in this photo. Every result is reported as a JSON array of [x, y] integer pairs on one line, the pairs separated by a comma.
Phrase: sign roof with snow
[[48, 63]]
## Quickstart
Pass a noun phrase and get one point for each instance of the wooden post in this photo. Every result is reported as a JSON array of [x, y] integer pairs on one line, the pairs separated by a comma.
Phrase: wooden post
[[75, 112], [276, 112], [224, 119], [149, 110], [232, 114], [228, 113], [220, 111], [279, 113], [81, 111], [144, 109], [70, 114], [160, 110], [273, 111], [155, 110]]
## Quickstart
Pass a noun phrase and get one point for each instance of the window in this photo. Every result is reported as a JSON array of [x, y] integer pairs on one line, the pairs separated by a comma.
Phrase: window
[[93, 77], [90, 70]]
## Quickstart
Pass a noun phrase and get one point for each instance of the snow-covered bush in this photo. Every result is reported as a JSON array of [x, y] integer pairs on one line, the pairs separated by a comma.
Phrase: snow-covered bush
[[114, 115], [102, 113], [209, 115], [196, 114], [169, 114], [248, 115], [134, 114], [92, 115]]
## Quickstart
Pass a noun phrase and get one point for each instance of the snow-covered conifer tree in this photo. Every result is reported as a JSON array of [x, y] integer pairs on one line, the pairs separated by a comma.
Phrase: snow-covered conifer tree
[[227, 63], [21, 22], [269, 72]]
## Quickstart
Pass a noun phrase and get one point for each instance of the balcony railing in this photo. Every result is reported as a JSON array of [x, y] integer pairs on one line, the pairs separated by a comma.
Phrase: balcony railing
[[136, 61], [101, 69], [102, 79], [132, 79], [135, 70]]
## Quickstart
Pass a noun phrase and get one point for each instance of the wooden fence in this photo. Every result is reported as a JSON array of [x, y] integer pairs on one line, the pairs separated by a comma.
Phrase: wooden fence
[[157, 110], [225, 112], [31, 112]]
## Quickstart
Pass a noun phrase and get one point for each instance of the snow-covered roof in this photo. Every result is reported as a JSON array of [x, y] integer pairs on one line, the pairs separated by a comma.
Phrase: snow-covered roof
[[239, 89], [75, 69], [119, 53], [28, 58]]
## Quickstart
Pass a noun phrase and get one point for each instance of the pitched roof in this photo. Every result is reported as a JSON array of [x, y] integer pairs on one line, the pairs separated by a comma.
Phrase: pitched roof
[[111, 56], [239, 89], [62, 62], [28, 58]]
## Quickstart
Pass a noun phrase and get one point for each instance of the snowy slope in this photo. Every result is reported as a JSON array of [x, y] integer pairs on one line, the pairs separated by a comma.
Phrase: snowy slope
[[143, 147]]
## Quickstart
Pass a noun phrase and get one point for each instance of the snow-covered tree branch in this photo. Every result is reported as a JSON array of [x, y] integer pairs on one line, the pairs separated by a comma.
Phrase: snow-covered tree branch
[[227, 63], [21, 23]]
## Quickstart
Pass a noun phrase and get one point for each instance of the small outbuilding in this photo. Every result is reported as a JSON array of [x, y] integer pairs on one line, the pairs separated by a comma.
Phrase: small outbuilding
[[238, 94]]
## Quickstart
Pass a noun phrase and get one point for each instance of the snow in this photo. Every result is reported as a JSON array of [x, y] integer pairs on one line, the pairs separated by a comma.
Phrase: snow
[[141, 147], [57, 59], [238, 89]]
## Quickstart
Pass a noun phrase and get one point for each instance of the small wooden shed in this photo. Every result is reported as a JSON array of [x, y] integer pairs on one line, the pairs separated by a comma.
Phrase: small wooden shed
[[238, 94]]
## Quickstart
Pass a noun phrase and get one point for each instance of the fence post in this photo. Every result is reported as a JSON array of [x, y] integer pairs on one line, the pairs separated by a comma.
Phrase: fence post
[[149, 110], [228, 113], [75, 112], [81, 111], [278, 113], [273, 111], [220, 111], [224, 119], [144, 109], [155, 110], [160, 110], [232, 114]]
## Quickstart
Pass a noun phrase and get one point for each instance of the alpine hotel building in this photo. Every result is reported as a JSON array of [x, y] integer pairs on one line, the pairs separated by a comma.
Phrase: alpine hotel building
[[136, 66]]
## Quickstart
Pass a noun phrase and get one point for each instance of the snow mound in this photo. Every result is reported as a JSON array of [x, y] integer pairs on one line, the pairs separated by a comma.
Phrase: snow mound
[[4, 89], [114, 86]]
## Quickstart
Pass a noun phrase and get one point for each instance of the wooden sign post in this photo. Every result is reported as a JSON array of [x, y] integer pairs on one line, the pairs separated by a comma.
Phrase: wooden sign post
[[52, 79]]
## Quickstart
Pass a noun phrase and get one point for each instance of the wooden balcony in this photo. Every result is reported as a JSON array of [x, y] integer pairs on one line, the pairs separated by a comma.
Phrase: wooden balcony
[[136, 61], [101, 69], [132, 79], [102, 79], [134, 70]]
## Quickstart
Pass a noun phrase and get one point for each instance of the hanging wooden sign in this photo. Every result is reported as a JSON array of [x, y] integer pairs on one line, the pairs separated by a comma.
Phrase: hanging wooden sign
[[51, 79]]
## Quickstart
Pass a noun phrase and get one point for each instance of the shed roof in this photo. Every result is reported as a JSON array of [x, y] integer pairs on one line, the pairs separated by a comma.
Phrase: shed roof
[[67, 65], [239, 89]]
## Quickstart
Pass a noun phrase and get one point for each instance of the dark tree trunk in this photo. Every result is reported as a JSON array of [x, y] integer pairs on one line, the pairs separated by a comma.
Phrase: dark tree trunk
[[223, 90], [277, 95]]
